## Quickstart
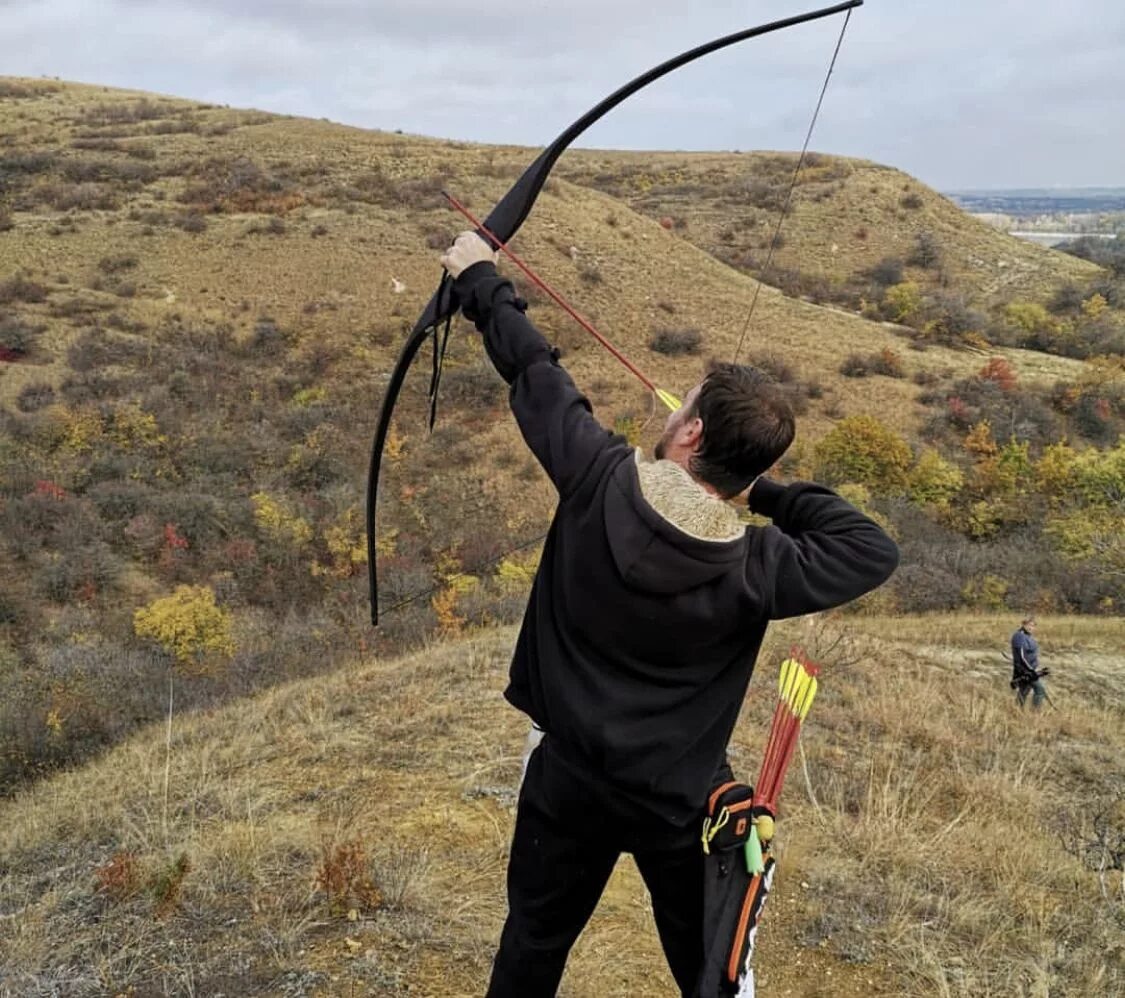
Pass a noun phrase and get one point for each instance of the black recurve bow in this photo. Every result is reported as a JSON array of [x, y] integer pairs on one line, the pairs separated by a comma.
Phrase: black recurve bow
[[504, 220]]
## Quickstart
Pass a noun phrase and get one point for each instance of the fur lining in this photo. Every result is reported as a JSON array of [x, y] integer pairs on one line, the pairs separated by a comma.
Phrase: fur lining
[[684, 503]]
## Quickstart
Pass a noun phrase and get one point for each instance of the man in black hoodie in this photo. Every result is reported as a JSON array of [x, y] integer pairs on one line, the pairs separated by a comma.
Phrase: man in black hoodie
[[642, 627]]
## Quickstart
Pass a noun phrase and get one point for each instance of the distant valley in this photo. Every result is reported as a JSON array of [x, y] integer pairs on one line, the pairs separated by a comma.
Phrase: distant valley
[[1048, 215]]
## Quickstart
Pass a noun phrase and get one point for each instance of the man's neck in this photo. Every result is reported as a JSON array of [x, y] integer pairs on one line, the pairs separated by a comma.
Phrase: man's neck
[[685, 463]]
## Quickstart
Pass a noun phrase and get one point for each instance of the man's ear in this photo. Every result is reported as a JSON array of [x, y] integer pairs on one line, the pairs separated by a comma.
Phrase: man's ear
[[692, 432]]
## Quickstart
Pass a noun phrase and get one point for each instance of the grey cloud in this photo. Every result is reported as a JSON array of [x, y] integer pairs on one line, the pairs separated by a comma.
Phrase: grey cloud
[[961, 94]]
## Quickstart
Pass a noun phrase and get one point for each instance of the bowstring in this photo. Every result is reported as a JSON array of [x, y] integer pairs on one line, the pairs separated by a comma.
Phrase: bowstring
[[792, 187]]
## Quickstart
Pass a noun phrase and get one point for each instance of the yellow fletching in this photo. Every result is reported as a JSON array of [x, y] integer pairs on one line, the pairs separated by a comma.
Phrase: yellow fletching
[[788, 677], [808, 699], [800, 692], [668, 399]]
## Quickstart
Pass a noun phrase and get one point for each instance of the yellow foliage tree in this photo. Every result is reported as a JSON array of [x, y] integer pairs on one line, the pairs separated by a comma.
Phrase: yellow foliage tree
[[272, 516], [1099, 477], [902, 302], [860, 449], [517, 573], [1091, 533], [444, 603], [1093, 306], [346, 544], [934, 480], [986, 592], [979, 442], [131, 426], [189, 626], [1054, 471], [1014, 468], [83, 428], [1031, 317]]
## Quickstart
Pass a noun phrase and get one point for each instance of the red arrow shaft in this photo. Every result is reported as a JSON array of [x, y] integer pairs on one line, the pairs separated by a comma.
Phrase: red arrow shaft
[[554, 295]]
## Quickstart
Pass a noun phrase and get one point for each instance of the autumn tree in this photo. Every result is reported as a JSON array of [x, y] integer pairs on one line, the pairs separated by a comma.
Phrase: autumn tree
[[861, 449]]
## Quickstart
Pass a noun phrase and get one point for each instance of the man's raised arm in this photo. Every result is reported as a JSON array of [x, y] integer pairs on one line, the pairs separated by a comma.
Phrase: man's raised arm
[[820, 552], [553, 415]]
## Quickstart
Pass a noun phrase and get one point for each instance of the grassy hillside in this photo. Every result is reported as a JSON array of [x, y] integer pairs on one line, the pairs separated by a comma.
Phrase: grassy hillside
[[199, 308], [845, 216], [230, 215], [347, 835]]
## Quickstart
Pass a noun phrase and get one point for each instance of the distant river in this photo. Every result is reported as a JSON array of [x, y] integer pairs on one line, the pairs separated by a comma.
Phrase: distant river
[[1050, 238]]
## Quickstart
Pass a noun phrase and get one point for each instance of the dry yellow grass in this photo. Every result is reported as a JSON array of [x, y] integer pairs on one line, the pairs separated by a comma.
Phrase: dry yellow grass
[[936, 848]]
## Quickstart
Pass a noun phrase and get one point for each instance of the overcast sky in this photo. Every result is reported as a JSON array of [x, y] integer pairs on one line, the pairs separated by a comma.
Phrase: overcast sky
[[961, 93]]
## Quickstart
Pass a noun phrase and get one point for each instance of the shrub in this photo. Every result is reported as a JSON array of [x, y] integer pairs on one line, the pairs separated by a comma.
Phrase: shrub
[[949, 318], [81, 197], [1093, 418], [887, 363], [933, 480], [26, 163], [166, 882], [91, 349], [775, 366], [79, 573], [912, 201], [268, 336], [862, 450], [35, 395], [344, 875], [1030, 317], [902, 302], [17, 337], [19, 288], [855, 365], [764, 194], [192, 222], [1068, 298], [1000, 371], [926, 252], [188, 626], [919, 589], [117, 263], [676, 342], [120, 877], [886, 272]]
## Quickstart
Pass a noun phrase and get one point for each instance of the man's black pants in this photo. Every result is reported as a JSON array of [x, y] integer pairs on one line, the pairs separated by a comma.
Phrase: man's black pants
[[569, 834]]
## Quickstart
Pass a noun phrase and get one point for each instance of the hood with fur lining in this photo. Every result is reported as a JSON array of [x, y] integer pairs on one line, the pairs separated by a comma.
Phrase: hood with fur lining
[[667, 534]]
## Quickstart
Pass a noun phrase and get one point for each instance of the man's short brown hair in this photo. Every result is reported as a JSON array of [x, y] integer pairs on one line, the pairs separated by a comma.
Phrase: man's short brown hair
[[747, 425]]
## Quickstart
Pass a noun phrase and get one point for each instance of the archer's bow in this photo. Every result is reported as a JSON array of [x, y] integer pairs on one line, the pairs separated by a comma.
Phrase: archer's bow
[[504, 220]]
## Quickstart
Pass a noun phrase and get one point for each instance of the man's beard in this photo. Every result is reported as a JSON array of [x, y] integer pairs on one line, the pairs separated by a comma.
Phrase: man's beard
[[661, 447]]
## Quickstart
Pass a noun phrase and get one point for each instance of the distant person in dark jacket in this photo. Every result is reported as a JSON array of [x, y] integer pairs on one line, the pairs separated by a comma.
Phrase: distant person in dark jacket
[[1027, 676], [642, 627]]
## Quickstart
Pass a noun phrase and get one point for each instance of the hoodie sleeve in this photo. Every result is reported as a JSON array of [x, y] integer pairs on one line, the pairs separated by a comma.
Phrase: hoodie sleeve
[[554, 417], [820, 552]]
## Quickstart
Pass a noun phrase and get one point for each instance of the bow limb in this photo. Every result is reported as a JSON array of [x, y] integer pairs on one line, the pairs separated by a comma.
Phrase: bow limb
[[441, 302], [509, 214]]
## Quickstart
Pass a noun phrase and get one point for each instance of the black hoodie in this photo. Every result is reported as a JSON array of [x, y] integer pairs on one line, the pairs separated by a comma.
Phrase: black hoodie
[[639, 639]]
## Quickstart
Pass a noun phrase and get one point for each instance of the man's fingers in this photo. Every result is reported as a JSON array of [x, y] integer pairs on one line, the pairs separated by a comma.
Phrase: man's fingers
[[468, 248]]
